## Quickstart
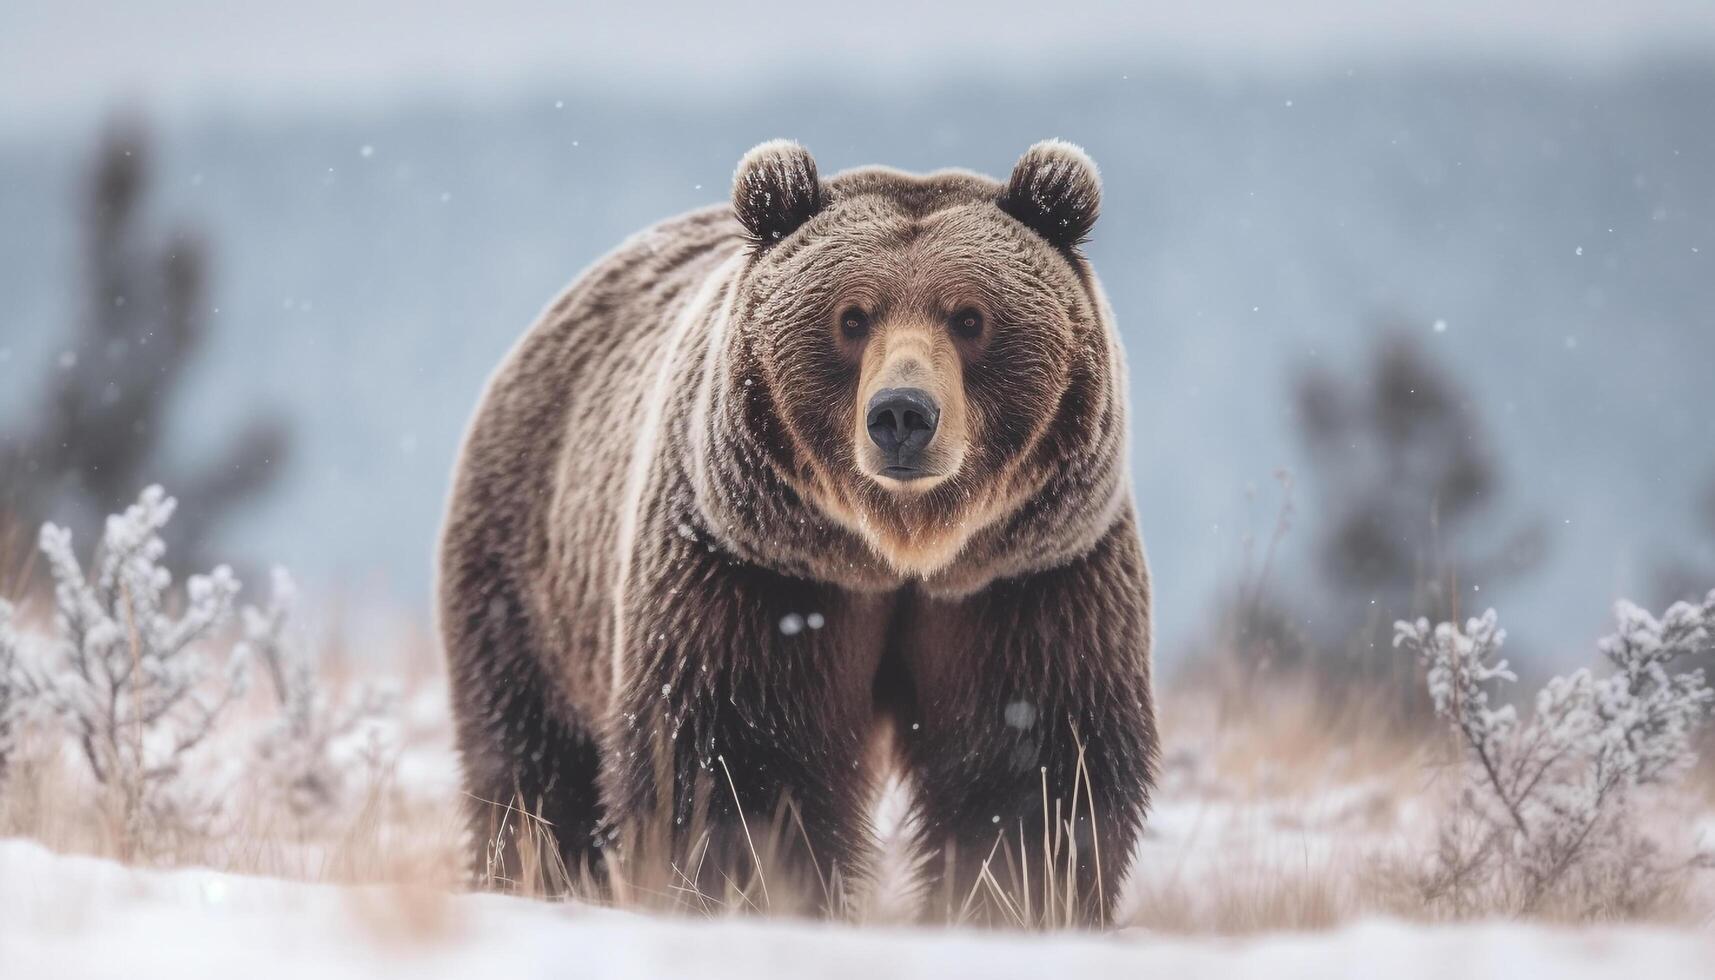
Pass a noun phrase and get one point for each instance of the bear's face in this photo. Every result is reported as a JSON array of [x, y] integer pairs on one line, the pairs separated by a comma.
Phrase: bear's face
[[918, 339]]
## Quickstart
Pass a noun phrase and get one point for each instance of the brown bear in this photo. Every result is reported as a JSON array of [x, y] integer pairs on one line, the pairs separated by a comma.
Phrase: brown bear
[[785, 494]]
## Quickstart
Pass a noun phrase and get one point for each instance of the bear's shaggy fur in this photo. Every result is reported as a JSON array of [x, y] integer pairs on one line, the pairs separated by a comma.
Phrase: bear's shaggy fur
[[681, 587]]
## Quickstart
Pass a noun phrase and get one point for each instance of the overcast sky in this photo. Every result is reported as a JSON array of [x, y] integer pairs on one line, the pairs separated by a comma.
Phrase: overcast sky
[[63, 59]]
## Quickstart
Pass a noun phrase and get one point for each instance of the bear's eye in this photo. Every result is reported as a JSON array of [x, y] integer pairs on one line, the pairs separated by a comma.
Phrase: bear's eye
[[854, 324], [967, 323]]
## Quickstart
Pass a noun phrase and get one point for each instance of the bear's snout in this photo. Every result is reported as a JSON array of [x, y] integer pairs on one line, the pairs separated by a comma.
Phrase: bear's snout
[[901, 423]]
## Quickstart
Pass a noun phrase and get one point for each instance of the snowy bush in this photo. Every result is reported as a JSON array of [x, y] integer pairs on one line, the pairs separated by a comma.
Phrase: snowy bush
[[11, 688], [317, 748], [130, 678], [1548, 797]]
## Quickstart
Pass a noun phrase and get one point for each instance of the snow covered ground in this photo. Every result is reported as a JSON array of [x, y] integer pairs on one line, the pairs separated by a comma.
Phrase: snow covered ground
[[80, 917], [1286, 838]]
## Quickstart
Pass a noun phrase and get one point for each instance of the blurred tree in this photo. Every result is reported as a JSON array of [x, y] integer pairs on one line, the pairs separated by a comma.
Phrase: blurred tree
[[94, 440], [1402, 487], [1257, 631]]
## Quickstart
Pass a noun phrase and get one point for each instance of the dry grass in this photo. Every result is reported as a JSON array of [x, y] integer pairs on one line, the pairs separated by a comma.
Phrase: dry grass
[[391, 832], [1289, 809], [17, 559], [1278, 810], [391, 837]]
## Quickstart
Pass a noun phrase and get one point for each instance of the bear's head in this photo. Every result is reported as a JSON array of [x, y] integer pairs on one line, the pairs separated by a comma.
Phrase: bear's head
[[923, 358]]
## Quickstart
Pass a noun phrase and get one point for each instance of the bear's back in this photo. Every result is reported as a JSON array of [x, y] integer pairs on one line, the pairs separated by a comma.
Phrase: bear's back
[[555, 433]]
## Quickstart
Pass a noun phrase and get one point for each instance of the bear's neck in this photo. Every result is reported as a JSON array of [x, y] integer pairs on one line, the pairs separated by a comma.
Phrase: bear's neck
[[746, 494]]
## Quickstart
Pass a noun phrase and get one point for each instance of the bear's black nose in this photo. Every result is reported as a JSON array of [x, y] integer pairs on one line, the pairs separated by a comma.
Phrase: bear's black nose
[[901, 422]]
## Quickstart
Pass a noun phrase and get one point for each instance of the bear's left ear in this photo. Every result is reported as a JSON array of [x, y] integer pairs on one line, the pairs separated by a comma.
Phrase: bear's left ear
[[1055, 190], [775, 190]]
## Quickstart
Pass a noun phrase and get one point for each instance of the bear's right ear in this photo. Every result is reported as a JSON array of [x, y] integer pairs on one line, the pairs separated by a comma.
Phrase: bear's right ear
[[1056, 190], [775, 190]]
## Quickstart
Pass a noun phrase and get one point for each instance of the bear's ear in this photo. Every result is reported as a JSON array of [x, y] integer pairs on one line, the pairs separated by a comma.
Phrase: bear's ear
[[775, 190], [1056, 191]]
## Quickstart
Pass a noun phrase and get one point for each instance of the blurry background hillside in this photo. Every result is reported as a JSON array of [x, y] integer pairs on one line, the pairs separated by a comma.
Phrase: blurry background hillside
[[1521, 197]]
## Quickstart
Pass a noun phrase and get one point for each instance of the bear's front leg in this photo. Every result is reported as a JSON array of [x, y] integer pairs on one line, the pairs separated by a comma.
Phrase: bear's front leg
[[736, 768], [1033, 741]]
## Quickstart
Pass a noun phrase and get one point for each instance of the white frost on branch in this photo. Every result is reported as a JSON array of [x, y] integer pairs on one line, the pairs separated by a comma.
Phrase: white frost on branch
[[1552, 793], [11, 688], [132, 675], [317, 750], [128, 676]]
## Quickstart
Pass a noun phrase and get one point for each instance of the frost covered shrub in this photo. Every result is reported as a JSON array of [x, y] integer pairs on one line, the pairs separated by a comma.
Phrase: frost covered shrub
[[317, 748], [129, 677], [1548, 816], [132, 676], [11, 689]]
